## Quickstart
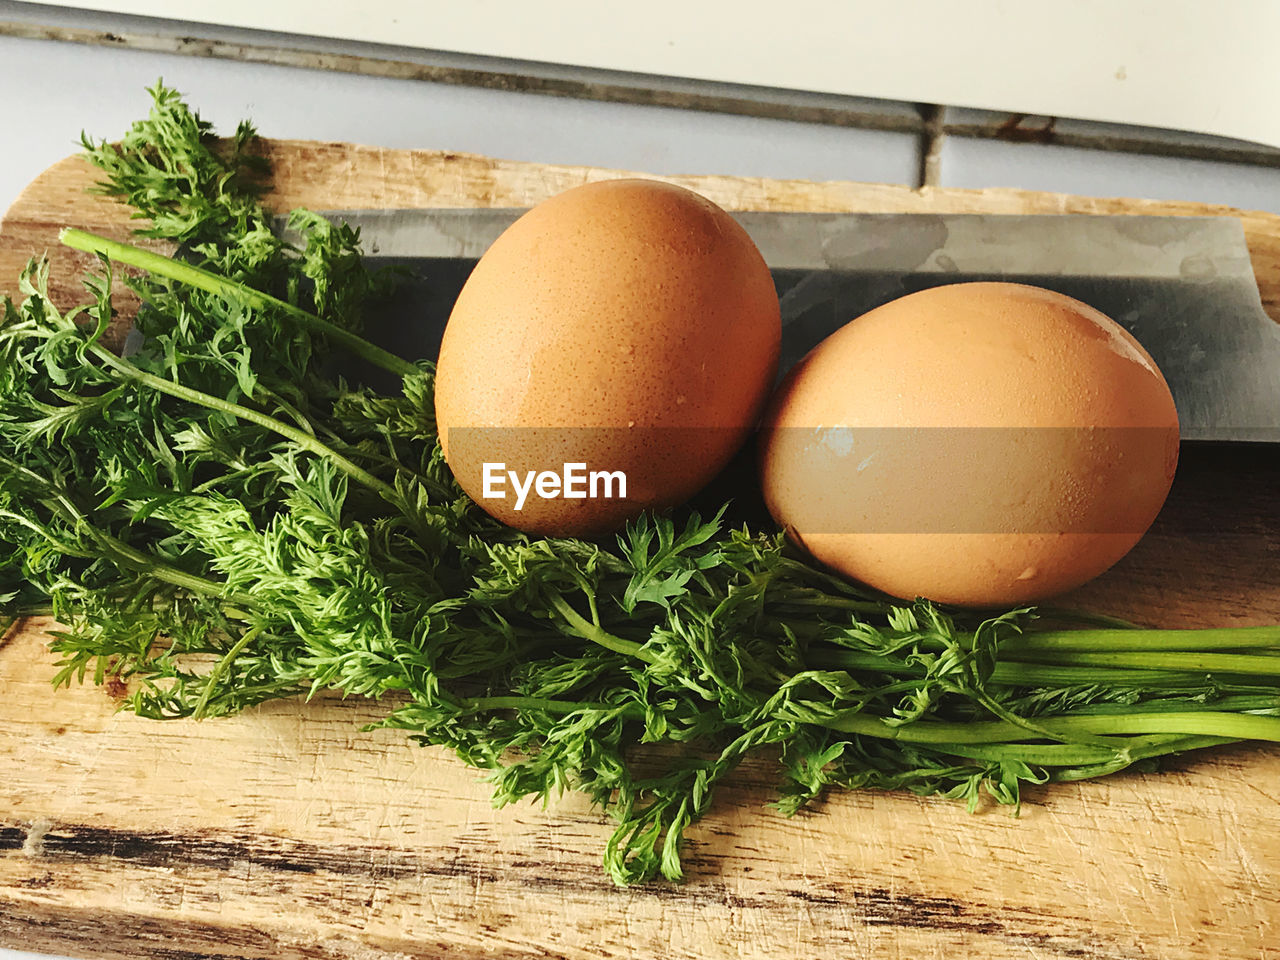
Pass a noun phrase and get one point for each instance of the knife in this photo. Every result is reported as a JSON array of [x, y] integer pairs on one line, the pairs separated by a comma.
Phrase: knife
[[1183, 286]]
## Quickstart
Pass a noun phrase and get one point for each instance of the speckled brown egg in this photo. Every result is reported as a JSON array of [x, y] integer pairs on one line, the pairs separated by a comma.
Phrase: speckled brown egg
[[980, 444], [626, 326]]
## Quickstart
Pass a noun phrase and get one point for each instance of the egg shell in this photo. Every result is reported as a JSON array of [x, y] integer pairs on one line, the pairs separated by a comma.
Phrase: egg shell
[[979, 444], [630, 325]]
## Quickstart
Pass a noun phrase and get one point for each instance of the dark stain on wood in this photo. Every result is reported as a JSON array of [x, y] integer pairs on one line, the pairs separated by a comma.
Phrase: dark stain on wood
[[841, 905], [24, 927], [39, 882], [165, 850], [168, 850], [12, 838], [874, 906], [115, 688], [877, 906]]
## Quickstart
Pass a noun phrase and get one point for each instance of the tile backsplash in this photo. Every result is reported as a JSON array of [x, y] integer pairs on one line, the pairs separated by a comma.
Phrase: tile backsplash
[[309, 87]]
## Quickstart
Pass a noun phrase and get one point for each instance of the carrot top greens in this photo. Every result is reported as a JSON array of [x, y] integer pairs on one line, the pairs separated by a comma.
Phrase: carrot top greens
[[220, 520]]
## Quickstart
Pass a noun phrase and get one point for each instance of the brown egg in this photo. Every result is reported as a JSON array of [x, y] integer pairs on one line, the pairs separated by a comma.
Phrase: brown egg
[[623, 327], [980, 444]]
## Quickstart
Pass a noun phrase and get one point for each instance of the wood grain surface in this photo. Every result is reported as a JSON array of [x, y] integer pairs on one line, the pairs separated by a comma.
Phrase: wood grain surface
[[287, 832]]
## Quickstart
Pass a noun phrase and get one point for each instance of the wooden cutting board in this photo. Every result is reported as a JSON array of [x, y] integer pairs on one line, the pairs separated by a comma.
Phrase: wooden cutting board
[[288, 833]]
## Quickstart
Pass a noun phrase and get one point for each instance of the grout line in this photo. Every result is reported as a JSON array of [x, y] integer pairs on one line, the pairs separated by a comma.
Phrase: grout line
[[583, 89], [932, 136], [1050, 134], [738, 100]]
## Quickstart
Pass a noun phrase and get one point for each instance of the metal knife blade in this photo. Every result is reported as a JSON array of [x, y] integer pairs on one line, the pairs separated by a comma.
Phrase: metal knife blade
[[1184, 286]]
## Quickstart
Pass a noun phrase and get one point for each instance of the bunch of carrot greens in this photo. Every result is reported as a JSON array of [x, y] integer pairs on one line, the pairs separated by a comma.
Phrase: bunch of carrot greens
[[219, 520]]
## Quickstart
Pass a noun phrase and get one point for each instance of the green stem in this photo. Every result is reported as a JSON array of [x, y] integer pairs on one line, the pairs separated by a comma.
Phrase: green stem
[[220, 668], [482, 704], [303, 439], [1172, 745], [1077, 755], [819, 600], [1268, 703], [1014, 674], [1005, 674], [13, 615], [1083, 616], [1233, 726], [117, 550], [1159, 641], [830, 658], [61, 546], [132, 557], [589, 631], [1038, 672], [194, 276], [1260, 665]]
